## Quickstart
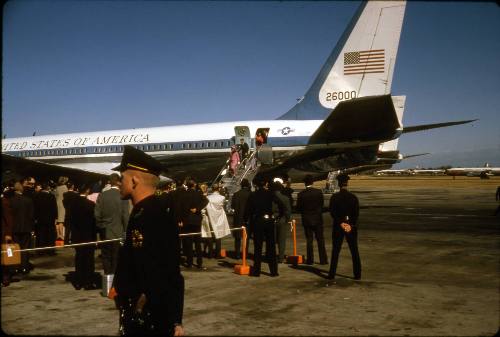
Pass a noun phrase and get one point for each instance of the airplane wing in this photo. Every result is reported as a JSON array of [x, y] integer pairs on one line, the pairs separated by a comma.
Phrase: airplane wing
[[415, 155], [16, 167], [359, 119], [422, 127]]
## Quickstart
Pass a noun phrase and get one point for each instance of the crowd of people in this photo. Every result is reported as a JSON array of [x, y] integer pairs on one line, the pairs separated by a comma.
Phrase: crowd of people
[[151, 228], [39, 214], [44, 212]]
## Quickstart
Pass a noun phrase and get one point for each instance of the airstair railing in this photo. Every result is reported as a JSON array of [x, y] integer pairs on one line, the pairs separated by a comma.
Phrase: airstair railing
[[224, 167], [248, 166]]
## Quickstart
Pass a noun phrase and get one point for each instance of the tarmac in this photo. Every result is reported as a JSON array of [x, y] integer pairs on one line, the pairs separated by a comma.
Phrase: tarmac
[[429, 248]]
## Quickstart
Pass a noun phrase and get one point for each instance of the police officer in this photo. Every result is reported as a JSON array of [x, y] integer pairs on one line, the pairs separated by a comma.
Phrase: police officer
[[259, 211], [344, 209], [148, 282]]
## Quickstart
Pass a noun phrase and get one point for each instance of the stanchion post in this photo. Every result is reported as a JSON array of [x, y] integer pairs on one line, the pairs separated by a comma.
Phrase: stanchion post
[[243, 269], [295, 259]]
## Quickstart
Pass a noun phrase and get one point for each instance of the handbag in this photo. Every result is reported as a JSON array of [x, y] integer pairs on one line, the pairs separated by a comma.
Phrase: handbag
[[10, 254]]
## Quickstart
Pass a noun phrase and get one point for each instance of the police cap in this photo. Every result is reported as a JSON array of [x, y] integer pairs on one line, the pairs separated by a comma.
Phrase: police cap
[[134, 159]]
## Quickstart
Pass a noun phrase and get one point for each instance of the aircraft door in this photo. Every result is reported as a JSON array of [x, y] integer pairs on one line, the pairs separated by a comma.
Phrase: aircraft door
[[264, 150], [243, 132]]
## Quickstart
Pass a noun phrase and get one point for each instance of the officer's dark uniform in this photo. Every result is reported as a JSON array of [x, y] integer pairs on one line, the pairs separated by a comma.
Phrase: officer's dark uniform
[[344, 207], [148, 262], [259, 211]]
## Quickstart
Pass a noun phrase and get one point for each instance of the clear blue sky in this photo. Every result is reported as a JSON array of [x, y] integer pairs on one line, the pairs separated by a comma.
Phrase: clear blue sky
[[72, 66]]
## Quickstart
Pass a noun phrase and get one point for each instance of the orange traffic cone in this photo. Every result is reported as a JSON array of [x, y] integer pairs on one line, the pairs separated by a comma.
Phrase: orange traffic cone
[[59, 242], [223, 253], [112, 293]]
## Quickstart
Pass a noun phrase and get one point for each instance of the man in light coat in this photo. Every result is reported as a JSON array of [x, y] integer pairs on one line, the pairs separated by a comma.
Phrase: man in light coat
[[111, 215], [217, 217]]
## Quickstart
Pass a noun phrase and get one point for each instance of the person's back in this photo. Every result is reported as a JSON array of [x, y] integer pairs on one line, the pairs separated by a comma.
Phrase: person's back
[[238, 204], [260, 203], [176, 197], [45, 206], [112, 213], [217, 215], [343, 204], [344, 209], [82, 220], [193, 200], [23, 213], [310, 206]]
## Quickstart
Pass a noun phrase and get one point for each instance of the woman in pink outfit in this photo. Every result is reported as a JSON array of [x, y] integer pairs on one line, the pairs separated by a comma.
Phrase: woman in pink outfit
[[235, 159]]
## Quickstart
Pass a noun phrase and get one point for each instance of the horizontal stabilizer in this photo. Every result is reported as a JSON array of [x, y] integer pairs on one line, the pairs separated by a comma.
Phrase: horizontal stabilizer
[[415, 128], [360, 119]]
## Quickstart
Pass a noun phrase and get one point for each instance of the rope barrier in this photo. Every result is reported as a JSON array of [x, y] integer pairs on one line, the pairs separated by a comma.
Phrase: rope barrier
[[99, 242], [64, 246], [192, 234]]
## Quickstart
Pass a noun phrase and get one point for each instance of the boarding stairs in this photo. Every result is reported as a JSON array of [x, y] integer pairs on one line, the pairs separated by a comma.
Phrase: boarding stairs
[[248, 168]]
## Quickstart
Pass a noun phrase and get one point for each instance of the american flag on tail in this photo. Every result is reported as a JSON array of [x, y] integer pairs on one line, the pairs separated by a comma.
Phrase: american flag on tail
[[364, 62]]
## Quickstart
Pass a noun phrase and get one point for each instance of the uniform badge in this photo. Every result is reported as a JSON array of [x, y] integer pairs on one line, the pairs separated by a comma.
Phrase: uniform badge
[[137, 239]]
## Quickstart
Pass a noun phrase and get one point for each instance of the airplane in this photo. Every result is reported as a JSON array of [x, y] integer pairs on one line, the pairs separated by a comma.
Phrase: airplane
[[474, 171], [348, 120]]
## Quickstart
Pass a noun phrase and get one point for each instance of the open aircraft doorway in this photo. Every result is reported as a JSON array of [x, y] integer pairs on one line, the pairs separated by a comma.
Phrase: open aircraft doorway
[[264, 150], [243, 132]]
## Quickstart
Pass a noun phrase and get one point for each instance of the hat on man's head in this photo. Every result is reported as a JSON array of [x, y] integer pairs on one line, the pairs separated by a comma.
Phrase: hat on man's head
[[343, 178], [134, 159]]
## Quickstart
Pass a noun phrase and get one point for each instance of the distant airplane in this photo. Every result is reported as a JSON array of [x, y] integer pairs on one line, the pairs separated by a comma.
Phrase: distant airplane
[[347, 120], [409, 172], [473, 171]]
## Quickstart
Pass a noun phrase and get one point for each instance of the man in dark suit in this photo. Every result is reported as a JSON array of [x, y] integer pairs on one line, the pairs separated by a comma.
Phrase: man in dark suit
[[111, 215], [45, 217], [193, 202], [238, 204], [310, 206], [23, 217], [83, 229], [243, 147], [344, 209], [68, 198], [148, 281]]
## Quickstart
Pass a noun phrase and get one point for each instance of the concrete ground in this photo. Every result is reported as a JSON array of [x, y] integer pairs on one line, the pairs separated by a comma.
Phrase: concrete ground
[[430, 253]]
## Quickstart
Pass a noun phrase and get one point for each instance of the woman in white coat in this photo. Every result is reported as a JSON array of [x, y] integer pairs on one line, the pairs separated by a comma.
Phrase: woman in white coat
[[217, 217]]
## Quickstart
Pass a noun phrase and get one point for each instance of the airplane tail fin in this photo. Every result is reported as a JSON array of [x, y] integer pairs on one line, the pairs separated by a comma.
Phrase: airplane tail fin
[[361, 64]]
